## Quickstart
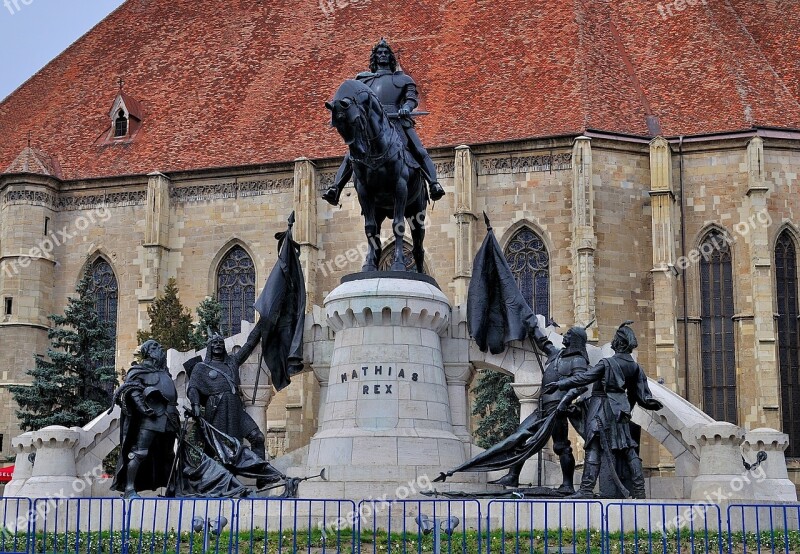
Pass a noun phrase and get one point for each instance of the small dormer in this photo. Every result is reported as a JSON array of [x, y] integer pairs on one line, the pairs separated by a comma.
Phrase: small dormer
[[126, 118]]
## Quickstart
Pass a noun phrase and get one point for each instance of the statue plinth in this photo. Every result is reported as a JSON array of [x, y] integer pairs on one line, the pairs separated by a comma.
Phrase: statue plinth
[[386, 417]]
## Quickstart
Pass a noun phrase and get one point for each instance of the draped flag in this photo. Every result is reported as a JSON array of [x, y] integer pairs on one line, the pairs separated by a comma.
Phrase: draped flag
[[497, 313], [282, 306]]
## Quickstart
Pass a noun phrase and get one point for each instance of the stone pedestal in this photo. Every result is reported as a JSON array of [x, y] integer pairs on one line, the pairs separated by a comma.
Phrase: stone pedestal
[[54, 473], [771, 479], [722, 474], [386, 420]]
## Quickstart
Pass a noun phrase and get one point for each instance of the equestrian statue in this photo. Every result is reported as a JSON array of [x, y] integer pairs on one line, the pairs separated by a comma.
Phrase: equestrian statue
[[374, 115]]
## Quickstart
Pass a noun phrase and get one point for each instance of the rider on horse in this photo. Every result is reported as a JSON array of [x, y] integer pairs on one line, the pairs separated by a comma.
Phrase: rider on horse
[[398, 94]]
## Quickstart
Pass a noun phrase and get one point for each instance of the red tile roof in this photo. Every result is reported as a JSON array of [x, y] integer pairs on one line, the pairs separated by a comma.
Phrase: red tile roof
[[34, 161], [244, 81]]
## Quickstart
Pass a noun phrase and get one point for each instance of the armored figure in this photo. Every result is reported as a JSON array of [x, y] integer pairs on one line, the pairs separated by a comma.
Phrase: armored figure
[[398, 94], [619, 383], [216, 386], [571, 360], [149, 423]]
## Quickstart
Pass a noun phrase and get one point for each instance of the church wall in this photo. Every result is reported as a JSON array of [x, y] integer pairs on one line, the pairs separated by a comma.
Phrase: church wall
[[202, 226], [624, 254], [542, 198], [117, 235], [715, 183], [782, 167]]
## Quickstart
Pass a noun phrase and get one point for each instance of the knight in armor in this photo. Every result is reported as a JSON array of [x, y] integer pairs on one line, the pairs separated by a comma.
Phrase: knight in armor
[[534, 432], [570, 360], [397, 92], [149, 423], [214, 391], [619, 383]]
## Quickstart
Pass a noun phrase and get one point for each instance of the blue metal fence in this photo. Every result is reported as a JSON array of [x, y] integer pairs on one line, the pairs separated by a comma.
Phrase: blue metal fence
[[759, 528], [544, 526], [15, 524], [77, 526], [273, 525], [419, 526], [186, 526], [276, 525], [661, 528]]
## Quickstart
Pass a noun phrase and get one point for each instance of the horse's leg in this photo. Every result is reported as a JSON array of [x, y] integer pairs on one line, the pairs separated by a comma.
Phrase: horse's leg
[[380, 217], [399, 221], [418, 229], [371, 229]]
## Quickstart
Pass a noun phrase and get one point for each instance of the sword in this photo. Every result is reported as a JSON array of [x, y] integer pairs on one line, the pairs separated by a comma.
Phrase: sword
[[412, 114], [258, 378]]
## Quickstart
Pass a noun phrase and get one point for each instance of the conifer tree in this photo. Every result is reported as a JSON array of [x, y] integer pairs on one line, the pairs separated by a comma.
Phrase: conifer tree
[[209, 316], [71, 386], [170, 321], [497, 406]]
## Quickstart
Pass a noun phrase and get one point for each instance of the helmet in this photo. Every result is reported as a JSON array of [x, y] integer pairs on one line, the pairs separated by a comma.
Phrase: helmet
[[624, 339]]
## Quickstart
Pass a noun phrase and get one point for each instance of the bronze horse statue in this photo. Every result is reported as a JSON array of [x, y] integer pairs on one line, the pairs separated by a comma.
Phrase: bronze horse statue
[[388, 180]]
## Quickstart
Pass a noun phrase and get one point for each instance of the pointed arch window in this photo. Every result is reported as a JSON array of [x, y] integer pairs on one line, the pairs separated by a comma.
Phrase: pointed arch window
[[530, 263], [788, 338], [717, 343], [236, 290], [387, 257], [105, 291]]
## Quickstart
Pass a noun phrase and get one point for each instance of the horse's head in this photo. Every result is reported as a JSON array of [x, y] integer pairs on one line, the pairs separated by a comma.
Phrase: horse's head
[[350, 109], [344, 117]]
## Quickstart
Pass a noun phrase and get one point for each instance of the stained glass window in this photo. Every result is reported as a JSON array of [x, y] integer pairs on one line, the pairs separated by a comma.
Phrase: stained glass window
[[718, 347], [105, 290], [236, 290], [387, 257], [788, 339], [529, 262]]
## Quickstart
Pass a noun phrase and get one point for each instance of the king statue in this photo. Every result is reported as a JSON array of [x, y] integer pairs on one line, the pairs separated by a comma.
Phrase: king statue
[[398, 94]]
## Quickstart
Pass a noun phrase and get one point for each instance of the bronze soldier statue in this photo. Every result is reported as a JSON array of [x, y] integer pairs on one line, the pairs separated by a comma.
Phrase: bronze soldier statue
[[618, 383], [564, 362], [149, 423], [215, 385], [398, 94]]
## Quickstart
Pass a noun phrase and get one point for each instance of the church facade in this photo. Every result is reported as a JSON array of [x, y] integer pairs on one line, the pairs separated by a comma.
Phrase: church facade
[[614, 192]]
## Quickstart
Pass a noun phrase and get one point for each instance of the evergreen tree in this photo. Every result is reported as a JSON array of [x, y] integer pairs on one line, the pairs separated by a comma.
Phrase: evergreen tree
[[209, 315], [71, 385], [497, 406], [170, 321]]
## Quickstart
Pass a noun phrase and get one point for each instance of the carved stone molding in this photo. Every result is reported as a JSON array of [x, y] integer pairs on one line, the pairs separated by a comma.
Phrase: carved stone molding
[[32, 197], [525, 164], [70, 202], [217, 191], [325, 180], [116, 199], [445, 169]]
